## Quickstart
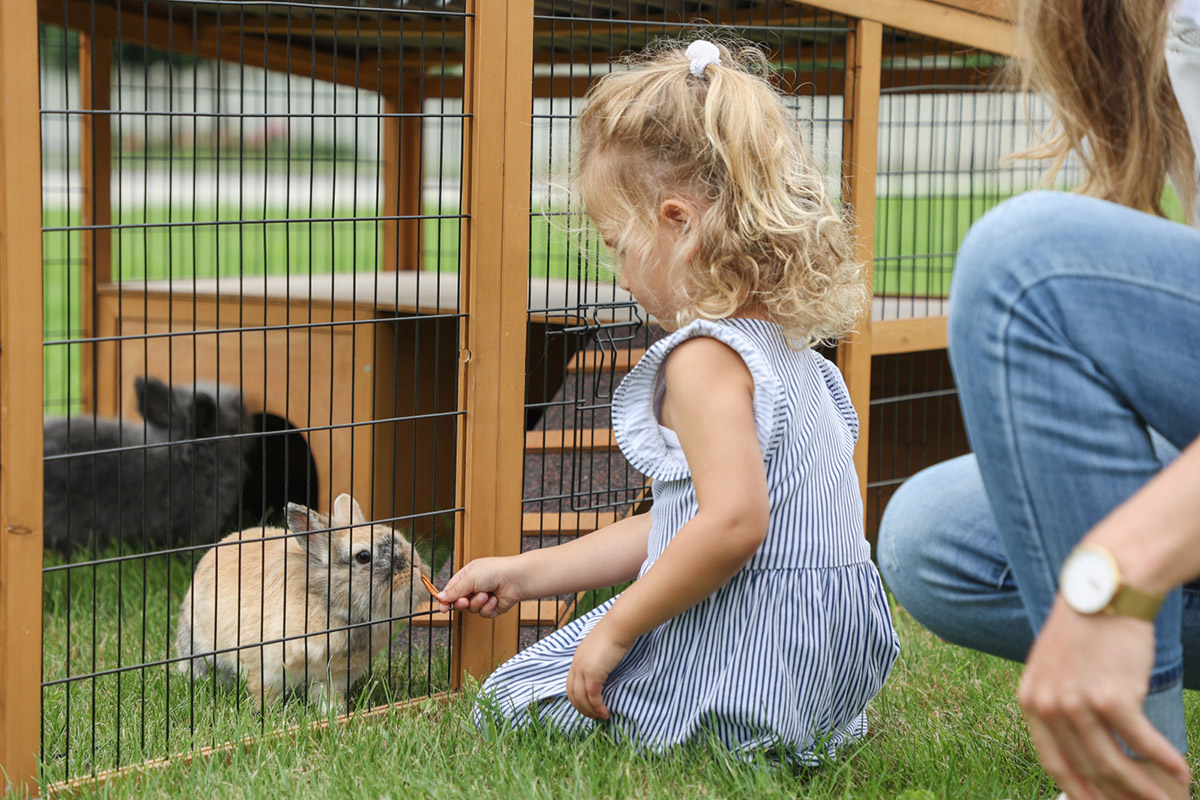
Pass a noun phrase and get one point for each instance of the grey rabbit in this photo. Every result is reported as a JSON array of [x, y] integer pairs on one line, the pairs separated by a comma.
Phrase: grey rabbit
[[169, 494]]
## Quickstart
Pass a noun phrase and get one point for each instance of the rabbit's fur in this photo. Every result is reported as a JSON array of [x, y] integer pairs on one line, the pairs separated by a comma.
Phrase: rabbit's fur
[[292, 588], [162, 495]]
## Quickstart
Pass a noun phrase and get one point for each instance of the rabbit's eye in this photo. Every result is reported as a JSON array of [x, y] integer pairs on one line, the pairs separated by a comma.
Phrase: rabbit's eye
[[363, 556]]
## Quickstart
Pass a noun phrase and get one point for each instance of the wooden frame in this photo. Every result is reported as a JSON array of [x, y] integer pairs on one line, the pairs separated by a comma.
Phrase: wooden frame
[[20, 396], [95, 174], [498, 84], [495, 277], [860, 144]]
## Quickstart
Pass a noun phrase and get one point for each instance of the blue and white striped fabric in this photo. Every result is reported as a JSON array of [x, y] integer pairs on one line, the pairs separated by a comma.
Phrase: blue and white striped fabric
[[786, 654]]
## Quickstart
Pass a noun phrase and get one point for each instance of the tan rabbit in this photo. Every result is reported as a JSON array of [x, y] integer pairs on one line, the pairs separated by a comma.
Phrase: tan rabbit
[[293, 618]]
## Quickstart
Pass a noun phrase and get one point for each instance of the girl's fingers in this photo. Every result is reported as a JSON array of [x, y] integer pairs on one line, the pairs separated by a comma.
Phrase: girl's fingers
[[596, 700], [573, 694]]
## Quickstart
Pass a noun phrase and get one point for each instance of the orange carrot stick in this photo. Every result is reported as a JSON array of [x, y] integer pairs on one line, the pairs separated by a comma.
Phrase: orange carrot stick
[[433, 590]]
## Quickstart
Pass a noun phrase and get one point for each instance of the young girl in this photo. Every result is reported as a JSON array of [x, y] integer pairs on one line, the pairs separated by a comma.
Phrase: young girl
[[756, 613]]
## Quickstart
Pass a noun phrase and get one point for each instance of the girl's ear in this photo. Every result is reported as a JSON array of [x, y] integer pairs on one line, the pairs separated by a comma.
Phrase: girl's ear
[[676, 212]]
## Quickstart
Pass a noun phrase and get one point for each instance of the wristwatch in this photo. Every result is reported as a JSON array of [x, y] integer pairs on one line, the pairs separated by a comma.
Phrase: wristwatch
[[1091, 583]]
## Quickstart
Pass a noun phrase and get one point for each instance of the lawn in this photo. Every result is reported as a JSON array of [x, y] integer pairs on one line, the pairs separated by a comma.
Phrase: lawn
[[945, 726]]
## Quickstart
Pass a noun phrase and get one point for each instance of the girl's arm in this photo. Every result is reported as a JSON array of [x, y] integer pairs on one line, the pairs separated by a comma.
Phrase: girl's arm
[[709, 405], [491, 586]]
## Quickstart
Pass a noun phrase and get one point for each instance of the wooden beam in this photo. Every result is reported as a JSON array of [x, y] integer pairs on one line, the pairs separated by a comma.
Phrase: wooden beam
[[242, 45], [950, 23], [95, 174], [389, 230], [495, 277], [908, 335], [1000, 9], [410, 171], [20, 396], [402, 177], [860, 141]]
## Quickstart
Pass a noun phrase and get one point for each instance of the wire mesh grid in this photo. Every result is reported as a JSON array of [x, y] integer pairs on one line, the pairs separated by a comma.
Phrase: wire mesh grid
[[584, 331], [949, 125], [252, 220]]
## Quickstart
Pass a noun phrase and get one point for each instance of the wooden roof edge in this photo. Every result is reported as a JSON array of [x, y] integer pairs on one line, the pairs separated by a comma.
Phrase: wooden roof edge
[[966, 22]]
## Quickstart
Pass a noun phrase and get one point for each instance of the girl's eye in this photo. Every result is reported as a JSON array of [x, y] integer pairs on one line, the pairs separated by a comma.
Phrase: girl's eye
[[363, 556]]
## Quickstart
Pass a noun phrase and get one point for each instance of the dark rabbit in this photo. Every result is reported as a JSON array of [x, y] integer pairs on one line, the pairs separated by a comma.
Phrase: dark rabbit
[[161, 494]]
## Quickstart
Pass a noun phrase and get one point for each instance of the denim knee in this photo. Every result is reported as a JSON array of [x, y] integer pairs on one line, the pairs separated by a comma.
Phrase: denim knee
[[1009, 249], [909, 542]]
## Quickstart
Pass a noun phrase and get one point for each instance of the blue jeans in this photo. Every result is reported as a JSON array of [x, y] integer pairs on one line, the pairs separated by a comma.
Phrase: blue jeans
[[1074, 337]]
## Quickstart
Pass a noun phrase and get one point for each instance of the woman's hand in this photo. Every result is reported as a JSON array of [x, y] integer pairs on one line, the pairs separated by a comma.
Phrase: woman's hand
[[485, 586], [1085, 683], [597, 656]]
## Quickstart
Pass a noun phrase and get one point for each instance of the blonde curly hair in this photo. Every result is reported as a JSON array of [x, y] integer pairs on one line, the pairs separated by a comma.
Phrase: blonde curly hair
[[765, 234]]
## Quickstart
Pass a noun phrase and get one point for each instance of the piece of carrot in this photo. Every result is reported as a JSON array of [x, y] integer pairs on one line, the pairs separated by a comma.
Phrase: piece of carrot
[[433, 590]]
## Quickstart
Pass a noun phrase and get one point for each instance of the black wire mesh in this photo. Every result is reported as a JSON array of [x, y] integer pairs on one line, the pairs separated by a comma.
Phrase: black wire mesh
[[251, 298], [584, 332], [949, 124]]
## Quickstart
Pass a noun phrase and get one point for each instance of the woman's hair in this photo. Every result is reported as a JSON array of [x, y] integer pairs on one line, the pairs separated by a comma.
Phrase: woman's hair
[[764, 234], [1101, 66]]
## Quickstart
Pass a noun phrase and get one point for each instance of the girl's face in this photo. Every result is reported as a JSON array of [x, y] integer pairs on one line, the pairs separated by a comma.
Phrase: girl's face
[[647, 273]]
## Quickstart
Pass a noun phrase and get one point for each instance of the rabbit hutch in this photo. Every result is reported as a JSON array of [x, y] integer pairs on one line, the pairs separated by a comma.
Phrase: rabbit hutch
[[290, 251]]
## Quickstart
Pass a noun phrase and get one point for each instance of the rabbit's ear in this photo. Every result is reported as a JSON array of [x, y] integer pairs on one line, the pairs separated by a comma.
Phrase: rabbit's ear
[[301, 519], [347, 511], [153, 401], [204, 413]]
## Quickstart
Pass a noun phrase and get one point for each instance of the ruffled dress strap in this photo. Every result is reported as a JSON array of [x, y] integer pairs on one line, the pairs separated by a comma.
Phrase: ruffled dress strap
[[634, 418]]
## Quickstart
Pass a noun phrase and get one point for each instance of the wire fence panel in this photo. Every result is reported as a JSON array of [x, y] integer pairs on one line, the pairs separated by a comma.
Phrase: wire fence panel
[[252, 223]]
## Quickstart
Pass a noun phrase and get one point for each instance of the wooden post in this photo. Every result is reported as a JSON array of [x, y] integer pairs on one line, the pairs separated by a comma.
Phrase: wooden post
[[402, 176], [860, 142], [95, 172], [20, 395], [495, 278], [393, 253]]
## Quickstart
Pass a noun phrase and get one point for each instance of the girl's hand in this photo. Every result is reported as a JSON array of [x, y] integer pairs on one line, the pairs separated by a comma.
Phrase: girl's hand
[[596, 657], [485, 586], [1086, 681]]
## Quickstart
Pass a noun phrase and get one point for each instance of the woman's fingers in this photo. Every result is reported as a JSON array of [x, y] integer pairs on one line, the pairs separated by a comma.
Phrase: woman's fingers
[[1079, 749], [1149, 743], [1056, 760], [1104, 764]]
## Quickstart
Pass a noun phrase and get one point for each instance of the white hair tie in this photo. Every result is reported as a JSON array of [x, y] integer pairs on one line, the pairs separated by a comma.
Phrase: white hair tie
[[702, 54]]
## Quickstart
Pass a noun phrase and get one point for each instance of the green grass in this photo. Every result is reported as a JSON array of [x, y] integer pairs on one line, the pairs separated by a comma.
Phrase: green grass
[[945, 726], [112, 616]]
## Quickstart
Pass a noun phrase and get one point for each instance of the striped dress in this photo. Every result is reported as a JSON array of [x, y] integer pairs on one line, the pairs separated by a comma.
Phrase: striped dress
[[786, 654]]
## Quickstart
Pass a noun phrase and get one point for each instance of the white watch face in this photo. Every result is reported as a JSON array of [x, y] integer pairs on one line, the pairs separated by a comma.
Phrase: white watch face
[[1088, 581]]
